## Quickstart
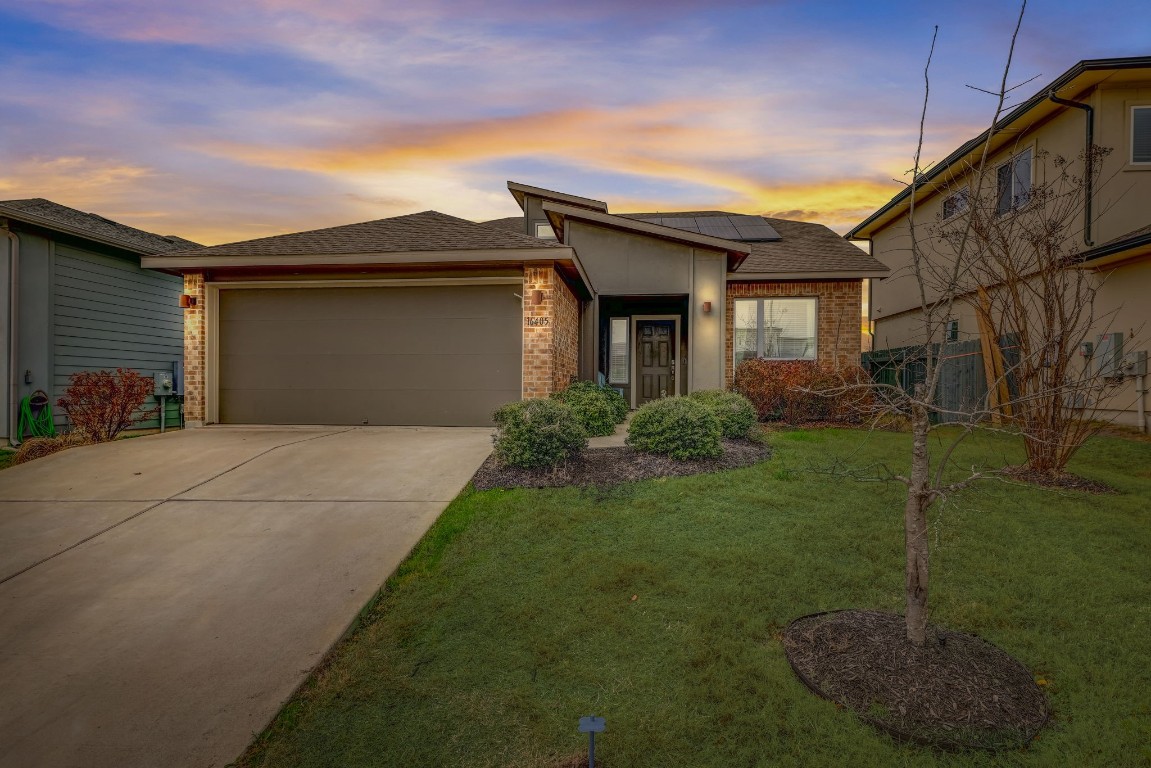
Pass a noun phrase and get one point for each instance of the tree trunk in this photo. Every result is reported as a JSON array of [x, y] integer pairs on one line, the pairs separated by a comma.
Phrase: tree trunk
[[915, 528]]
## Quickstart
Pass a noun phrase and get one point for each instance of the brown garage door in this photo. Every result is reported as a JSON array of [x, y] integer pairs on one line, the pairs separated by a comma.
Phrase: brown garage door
[[443, 355]]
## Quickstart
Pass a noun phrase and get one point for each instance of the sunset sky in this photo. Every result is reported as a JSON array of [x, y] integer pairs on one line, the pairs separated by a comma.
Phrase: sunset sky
[[222, 120]]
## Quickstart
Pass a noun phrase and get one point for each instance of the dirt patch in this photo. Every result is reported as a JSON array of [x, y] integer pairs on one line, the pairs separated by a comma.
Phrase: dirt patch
[[1064, 481], [958, 692], [611, 466]]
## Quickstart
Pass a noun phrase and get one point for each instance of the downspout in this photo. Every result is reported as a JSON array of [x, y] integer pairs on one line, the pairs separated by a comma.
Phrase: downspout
[[1087, 159], [13, 335]]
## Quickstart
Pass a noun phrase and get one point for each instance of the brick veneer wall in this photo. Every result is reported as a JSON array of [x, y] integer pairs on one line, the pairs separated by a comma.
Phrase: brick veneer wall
[[551, 344], [194, 371], [839, 316]]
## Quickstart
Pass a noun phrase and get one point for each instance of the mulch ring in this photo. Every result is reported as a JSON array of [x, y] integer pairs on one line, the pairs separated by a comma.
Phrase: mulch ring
[[1064, 481], [957, 692], [611, 466]]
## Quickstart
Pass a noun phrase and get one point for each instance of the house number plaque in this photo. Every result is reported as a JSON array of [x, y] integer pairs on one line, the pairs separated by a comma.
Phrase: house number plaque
[[539, 321]]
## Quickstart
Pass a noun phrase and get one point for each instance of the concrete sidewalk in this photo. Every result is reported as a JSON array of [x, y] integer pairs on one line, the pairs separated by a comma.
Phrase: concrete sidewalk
[[161, 597]]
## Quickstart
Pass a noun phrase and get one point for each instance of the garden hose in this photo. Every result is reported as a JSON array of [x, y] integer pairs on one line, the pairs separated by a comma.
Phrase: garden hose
[[35, 417]]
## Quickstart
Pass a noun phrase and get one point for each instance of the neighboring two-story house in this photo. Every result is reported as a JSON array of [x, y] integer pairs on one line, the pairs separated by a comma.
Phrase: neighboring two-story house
[[428, 319], [1106, 102]]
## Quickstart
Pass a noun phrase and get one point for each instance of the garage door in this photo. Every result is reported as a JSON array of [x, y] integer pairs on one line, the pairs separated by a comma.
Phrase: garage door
[[443, 355]]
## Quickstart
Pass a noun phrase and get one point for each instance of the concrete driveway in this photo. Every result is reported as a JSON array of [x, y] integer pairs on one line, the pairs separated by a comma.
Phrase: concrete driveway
[[161, 597]]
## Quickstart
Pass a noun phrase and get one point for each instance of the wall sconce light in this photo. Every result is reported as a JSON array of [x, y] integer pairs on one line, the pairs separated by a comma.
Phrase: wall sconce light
[[707, 307], [186, 301], [537, 298]]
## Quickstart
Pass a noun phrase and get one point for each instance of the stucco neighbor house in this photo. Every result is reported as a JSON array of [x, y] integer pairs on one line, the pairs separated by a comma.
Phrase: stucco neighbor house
[[428, 319], [1106, 102], [73, 297]]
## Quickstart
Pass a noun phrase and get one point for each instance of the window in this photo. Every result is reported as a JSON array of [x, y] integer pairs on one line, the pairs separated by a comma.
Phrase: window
[[618, 350], [951, 332], [544, 231], [1013, 183], [1141, 134], [956, 203], [777, 329]]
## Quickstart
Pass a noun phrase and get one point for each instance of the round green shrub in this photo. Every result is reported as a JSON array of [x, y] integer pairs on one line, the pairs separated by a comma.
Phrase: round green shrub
[[677, 426], [533, 434], [735, 412], [598, 408]]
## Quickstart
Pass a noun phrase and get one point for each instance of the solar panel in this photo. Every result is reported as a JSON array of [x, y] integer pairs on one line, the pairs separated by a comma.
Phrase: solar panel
[[746, 228], [753, 228]]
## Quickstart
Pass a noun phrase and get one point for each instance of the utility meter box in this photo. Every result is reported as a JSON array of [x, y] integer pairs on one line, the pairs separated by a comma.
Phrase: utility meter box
[[1135, 363], [1108, 356], [163, 384]]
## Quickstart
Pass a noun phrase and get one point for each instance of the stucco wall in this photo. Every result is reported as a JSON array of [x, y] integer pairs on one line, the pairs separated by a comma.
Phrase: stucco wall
[[837, 316], [621, 263]]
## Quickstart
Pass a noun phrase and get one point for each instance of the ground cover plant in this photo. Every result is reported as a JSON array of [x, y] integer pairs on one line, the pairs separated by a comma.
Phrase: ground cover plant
[[660, 605]]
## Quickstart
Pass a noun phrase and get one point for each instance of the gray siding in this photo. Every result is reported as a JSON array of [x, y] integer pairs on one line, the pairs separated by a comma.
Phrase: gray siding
[[107, 313]]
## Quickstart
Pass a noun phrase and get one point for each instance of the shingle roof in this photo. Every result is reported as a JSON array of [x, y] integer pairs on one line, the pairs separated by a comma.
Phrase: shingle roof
[[37, 208], [511, 224], [803, 247], [426, 231]]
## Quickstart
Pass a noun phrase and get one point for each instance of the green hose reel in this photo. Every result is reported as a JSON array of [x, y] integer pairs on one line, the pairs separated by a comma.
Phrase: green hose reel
[[35, 417]]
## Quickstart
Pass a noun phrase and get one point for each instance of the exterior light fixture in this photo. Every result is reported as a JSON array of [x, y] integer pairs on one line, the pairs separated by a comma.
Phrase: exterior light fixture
[[707, 307], [537, 297], [187, 301]]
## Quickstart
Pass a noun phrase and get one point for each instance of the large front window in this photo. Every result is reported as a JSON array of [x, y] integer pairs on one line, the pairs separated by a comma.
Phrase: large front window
[[776, 329]]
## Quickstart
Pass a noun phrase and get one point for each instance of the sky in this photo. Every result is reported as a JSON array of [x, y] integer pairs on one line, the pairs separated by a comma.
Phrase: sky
[[223, 120]]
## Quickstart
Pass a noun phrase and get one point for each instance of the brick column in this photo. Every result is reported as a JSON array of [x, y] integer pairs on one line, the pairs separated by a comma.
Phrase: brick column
[[194, 358], [551, 332]]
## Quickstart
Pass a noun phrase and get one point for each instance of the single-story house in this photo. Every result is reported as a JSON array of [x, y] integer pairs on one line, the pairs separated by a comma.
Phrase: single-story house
[[73, 297], [429, 319]]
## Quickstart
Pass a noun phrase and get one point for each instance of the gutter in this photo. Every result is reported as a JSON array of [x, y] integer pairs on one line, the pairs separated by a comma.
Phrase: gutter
[[1113, 248], [13, 337], [1089, 165], [1088, 65]]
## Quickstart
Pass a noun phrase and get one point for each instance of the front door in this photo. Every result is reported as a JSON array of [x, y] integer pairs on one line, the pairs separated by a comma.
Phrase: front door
[[655, 346]]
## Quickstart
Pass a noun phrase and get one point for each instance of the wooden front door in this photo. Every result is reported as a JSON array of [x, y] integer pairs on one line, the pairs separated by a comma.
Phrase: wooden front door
[[655, 346]]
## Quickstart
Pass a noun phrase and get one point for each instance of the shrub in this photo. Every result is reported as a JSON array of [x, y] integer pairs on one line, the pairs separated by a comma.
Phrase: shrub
[[39, 447], [598, 408], [537, 433], [677, 426], [735, 412], [793, 390], [101, 404]]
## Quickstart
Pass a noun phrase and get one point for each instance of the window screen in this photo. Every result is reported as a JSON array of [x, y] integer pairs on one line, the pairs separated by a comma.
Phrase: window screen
[[1141, 135], [955, 204], [776, 329], [618, 357]]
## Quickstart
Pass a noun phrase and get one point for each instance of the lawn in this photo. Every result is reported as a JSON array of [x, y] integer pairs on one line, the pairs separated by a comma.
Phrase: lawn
[[6, 458], [658, 605]]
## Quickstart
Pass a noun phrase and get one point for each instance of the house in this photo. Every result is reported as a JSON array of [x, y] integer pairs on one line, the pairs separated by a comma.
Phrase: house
[[1106, 102], [429, 319], [74, 297]]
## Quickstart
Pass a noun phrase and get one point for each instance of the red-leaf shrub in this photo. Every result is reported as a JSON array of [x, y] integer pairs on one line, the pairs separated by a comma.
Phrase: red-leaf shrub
[[794, 390], [101, 404]]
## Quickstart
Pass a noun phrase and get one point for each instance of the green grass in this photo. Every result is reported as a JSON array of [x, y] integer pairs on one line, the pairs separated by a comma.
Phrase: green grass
[[515, 616], [6, 458]]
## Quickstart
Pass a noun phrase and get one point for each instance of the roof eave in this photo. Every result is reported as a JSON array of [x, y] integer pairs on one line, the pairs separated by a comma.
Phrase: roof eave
[[865, 229], [1115, 252], [192, 262], [58, 226], [842, 274], [521, 191], [736, 252]]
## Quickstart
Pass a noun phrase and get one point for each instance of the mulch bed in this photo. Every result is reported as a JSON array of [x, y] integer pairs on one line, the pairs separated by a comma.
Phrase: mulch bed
[[611, 466], [1064, 482], [957, 692]]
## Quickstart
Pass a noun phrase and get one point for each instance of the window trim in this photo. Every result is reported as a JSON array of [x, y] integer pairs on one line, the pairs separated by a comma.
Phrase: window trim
[[759, 311], [1011, 162], [1131, 137], [549, 232]]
